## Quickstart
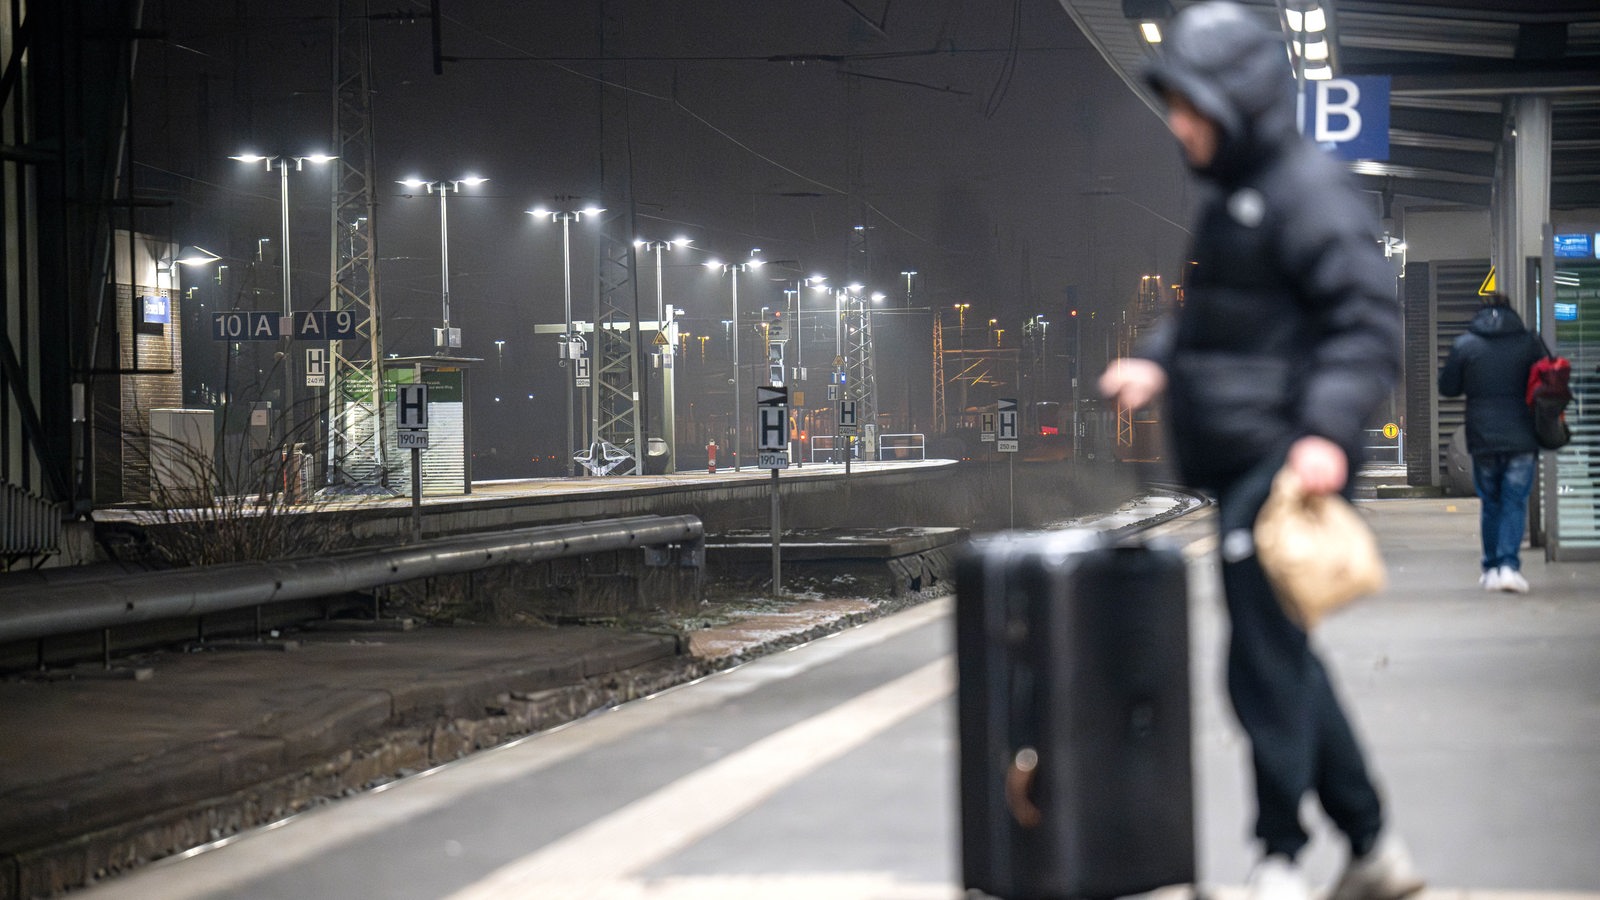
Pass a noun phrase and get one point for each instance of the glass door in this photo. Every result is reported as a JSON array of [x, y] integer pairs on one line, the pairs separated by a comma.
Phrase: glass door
[[1573, 314]]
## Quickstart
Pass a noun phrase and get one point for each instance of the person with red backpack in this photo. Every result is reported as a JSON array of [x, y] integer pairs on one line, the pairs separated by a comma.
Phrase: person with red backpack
[[1490, 365]]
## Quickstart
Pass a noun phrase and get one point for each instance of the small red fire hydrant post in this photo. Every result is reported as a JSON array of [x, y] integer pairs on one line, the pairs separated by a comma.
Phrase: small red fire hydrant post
[[711, 458]]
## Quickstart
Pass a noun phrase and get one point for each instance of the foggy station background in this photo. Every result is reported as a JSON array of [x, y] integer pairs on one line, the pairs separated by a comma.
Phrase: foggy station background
[[985, 146]]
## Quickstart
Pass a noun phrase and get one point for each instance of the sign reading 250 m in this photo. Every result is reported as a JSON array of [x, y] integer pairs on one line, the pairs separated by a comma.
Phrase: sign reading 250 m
[[261, 325]]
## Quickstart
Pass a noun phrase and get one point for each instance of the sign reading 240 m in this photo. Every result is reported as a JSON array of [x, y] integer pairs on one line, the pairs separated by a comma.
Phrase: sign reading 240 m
[[1349, 116]]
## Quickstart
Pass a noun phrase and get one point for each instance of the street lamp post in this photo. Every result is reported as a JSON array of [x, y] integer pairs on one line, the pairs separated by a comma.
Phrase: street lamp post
[[1044, 353], [569, 340], [732, 270], [1077, 368], [871, 370], [961, 345], [445, 338], [907, 329], [286, 339], [669, 373], [796, 322]]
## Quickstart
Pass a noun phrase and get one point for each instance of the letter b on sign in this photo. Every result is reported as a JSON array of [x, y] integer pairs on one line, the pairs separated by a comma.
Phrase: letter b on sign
[[1338, 111], [1350, 116]]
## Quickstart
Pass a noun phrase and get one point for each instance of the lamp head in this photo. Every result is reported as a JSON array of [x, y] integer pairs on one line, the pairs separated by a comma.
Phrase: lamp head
[[197, 256]]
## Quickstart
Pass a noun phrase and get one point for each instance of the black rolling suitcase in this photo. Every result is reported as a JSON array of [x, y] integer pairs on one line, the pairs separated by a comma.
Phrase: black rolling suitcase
[[1073, 660]]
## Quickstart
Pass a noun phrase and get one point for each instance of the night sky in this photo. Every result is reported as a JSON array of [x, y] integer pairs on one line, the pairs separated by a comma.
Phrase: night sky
[[984, 145]]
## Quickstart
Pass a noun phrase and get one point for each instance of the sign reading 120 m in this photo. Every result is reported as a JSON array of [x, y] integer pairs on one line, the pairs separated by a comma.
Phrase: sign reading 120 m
[[259, 325]]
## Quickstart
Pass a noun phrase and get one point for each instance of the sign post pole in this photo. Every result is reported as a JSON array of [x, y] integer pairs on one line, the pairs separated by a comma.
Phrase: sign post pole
[[416, 493], [1011, 489], [1007, 443], [411, 431], [777, 538], [772, 452], [847, 430]]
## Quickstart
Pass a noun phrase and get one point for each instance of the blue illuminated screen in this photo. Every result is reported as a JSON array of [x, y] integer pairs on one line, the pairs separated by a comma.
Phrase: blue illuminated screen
[[1575, 246]]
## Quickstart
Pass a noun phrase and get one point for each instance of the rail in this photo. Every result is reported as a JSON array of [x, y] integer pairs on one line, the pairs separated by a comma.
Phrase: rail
[[1379, 448], [33, 611], [902, 446], [29, 525], [828, 448]]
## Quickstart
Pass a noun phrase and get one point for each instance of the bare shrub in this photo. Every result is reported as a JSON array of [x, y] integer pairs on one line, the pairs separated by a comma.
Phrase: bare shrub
[[205, 508]]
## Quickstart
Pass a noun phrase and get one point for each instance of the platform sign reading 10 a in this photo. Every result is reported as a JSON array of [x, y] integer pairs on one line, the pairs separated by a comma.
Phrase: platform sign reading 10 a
[[1007, 434], [266, 325], [411, 420]]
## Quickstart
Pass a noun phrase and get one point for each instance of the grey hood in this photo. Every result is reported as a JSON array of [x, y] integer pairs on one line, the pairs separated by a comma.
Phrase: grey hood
[[1236, 72]]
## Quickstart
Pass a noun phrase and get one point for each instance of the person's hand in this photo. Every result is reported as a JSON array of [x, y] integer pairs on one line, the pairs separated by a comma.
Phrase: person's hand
[[1133, 382], [1319, 464]]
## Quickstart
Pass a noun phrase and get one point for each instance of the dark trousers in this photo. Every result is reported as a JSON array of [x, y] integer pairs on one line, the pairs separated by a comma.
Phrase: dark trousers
[[1300, 739]]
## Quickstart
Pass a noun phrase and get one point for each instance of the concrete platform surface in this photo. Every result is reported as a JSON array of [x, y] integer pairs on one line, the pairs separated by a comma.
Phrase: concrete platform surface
[[100, 773], [1482, 711]]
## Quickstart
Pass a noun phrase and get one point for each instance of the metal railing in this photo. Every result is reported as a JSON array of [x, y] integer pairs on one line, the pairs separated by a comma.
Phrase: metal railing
[[31, 611], [1377, 448], [828, 448], [29, 525], [902, 447]]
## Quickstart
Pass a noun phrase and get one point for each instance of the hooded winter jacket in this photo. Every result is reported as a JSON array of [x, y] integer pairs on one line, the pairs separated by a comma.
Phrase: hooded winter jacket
[[1290, 325], [1490, 365]]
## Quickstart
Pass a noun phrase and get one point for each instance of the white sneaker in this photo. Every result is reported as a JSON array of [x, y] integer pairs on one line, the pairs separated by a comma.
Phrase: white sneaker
[[1490, 580], [1511, 580], [1385, 873], [1277, 878]]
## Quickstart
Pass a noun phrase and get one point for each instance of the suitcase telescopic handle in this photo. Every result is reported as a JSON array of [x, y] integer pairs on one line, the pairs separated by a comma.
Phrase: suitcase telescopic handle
[[1019, 783]]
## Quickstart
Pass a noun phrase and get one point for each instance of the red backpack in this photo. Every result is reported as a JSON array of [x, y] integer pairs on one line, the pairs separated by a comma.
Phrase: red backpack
[[1548, 394]]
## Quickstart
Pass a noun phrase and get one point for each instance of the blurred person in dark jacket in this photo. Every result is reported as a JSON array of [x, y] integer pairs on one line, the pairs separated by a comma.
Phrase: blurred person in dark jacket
[[1490, 365], [1287, 344]]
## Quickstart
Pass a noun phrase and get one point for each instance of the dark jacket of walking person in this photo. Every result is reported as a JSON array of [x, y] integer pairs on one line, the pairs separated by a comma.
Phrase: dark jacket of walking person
[[1489, 364], [1287, 343]]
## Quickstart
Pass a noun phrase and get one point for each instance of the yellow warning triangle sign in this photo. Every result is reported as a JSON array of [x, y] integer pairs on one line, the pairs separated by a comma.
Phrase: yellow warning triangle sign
[[661, 339], [1487, 287]]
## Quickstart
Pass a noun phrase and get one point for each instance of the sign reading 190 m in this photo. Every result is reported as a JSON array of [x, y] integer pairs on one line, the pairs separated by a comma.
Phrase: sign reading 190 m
[[259, 325]]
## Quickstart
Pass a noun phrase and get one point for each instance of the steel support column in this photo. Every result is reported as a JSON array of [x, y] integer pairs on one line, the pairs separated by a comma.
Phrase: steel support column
[[1521, 201], [355, 392]]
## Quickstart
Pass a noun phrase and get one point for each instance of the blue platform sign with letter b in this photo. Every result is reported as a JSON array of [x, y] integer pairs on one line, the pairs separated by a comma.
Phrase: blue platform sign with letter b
[[1349, 117]]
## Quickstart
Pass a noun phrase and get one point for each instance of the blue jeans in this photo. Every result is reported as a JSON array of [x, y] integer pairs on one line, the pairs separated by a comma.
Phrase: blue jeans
[[1503, 482]]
